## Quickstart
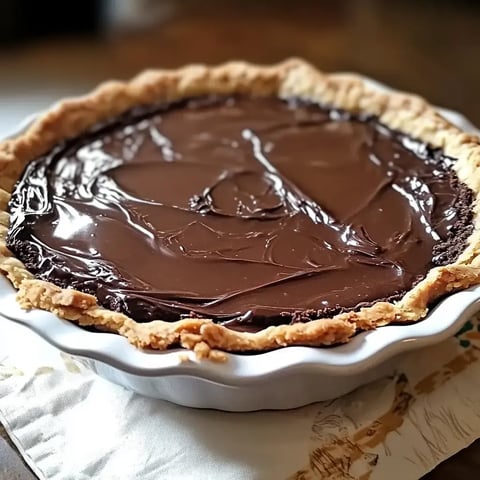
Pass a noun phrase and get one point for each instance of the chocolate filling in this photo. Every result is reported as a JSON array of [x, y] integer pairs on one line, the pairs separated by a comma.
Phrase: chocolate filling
[[249, 211]]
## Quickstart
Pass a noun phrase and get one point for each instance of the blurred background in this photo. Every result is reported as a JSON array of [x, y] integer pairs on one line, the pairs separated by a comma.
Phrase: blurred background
[[56, 48]]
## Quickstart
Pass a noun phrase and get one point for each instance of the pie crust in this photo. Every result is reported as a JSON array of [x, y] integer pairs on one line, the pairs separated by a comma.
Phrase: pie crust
[[403, 112]]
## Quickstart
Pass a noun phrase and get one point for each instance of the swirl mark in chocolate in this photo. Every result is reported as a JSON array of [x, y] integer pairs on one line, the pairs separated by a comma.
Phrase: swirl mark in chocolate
[[249, 211]]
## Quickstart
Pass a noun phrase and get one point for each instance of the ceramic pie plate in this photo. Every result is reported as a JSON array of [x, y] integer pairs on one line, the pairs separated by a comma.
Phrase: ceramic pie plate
[[280, 379]]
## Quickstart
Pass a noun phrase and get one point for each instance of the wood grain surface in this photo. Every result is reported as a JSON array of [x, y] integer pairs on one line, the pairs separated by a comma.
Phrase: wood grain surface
[[12, 466], [430, 48]]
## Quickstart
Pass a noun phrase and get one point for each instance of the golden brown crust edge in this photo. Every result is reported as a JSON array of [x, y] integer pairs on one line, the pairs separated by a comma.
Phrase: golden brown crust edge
[[408, 113]]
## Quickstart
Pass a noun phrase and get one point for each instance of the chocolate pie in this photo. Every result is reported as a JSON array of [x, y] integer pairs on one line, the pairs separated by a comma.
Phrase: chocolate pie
[[239, 208]]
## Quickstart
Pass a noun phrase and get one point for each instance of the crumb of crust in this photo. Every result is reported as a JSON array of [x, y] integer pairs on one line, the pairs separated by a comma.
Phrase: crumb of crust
[[203, 351], [217, 356], [184, 357]]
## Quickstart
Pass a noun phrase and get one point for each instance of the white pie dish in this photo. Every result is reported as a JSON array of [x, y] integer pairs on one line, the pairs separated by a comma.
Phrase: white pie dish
[[281, 379]]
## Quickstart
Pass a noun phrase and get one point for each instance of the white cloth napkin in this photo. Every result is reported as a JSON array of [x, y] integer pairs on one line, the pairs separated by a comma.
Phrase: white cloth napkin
[[70, 424]]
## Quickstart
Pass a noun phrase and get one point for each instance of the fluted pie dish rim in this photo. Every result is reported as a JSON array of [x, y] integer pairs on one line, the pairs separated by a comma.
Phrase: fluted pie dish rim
[[112, 357], [406, 113]]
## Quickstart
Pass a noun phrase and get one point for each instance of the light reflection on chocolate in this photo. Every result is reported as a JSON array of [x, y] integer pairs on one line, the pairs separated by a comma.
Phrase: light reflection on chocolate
[[248, 211]]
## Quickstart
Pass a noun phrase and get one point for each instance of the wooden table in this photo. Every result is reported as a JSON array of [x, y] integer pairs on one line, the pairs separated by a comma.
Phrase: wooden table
[[430, 47], [12, 466]]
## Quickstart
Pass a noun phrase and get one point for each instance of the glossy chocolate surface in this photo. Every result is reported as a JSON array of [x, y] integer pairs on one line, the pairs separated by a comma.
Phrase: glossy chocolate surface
[[248, 211]]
